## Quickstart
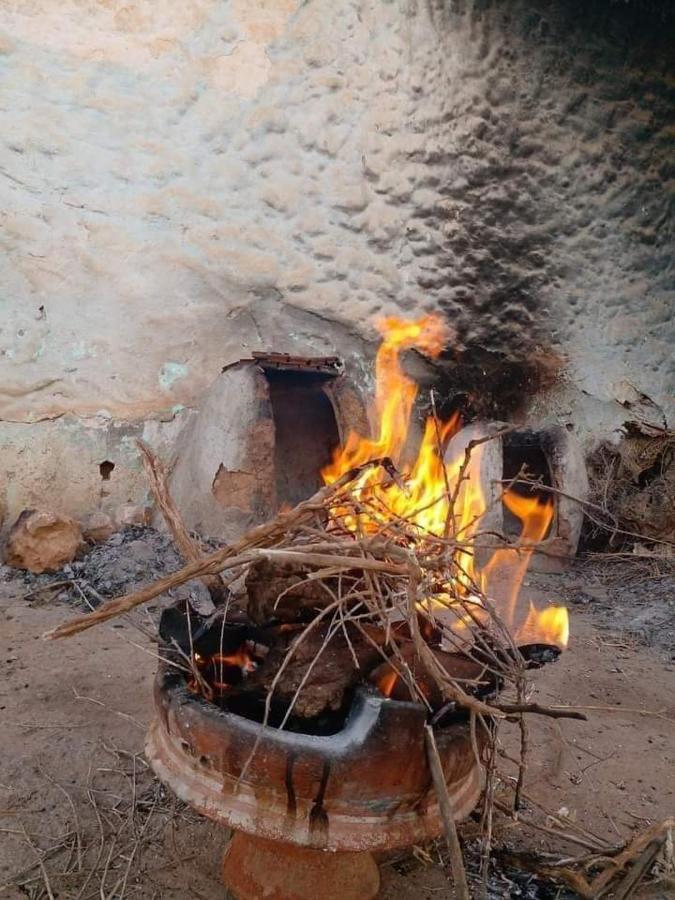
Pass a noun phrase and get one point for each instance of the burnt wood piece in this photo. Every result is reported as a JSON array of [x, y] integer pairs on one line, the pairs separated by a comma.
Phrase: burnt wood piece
[[320, 365], [538, 655], [474, 678], [282, 593], [535, 655], [333, 673], [327, 674]]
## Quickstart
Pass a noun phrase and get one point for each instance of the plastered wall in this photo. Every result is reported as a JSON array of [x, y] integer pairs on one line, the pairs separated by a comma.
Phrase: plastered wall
[[183, 182]]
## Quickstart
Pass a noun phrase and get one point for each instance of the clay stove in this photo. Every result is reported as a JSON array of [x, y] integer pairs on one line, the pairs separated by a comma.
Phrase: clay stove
[[310, 804], [290, 797]]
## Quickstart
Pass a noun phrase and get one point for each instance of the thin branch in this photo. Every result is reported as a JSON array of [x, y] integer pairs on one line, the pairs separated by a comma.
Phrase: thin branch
[[447, 815]]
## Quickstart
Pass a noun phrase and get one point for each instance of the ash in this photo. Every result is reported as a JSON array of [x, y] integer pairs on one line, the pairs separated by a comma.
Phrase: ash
[[125, 562]]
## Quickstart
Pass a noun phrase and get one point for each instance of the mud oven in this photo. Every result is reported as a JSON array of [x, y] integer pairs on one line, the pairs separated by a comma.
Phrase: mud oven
[[311, 802], [269, 425]]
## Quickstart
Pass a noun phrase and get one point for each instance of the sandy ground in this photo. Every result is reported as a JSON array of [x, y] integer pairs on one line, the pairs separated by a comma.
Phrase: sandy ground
[[81, 816]]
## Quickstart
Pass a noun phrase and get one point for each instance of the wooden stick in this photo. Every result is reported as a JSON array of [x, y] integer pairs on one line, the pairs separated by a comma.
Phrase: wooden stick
[[445, 807], [260, 536], [189, 549], [629, 853], [586, 504], [642, 851], [449, 689], [522, 765], [629, 884], [300, 557], [554, 712]]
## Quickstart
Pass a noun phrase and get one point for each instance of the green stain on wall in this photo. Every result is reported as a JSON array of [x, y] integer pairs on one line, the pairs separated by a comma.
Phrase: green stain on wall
[[170, 373]]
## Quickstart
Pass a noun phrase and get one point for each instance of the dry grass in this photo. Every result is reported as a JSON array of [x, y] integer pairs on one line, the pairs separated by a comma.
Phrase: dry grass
[[118, 837]]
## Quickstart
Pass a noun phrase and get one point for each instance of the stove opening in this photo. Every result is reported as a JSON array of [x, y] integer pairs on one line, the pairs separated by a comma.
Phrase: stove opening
[[524, 452], [305, 429]]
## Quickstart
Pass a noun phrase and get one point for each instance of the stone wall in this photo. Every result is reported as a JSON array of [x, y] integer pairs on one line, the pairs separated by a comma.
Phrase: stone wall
[[183, 182]]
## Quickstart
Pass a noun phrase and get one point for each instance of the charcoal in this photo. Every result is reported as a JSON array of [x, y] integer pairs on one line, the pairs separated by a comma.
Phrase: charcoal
[[199, 634], [538, 655]]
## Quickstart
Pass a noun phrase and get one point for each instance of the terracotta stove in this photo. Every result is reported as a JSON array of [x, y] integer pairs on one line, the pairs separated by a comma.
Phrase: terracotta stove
[[308, 810], [291, 797]]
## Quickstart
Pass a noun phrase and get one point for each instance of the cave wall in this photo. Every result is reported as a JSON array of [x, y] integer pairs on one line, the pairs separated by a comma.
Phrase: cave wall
[[184, 182]]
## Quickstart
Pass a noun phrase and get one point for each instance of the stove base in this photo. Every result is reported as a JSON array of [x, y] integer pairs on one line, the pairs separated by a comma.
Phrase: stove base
[[254, 867]]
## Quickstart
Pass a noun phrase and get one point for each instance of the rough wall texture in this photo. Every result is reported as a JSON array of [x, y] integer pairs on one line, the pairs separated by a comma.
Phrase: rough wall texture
[[182, 182]]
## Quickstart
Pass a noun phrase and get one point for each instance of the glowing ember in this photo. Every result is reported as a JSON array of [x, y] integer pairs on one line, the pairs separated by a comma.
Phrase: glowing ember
[[387, 683], [241, 659], [220, 671], [423, 500]]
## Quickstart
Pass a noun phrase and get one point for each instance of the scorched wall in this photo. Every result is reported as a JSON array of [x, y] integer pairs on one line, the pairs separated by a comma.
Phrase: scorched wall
[[185, 181]]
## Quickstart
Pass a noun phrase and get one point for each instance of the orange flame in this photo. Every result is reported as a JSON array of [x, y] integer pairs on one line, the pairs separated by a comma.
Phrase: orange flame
[[422, 500], [213, 668], [546, 626], [387, 683], [241, 659], [502, 577]]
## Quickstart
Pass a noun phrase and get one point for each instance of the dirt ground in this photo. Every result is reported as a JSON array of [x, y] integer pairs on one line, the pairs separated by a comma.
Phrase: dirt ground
[[81, 816]]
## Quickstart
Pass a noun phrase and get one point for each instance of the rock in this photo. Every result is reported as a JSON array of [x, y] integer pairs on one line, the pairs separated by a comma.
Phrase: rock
[[42, 541], [197, 595], [132, 515], [98, 527]]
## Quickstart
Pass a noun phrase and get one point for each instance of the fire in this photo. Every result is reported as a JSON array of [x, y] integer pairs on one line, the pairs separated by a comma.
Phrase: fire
[[545, 626], [241, 660], [220, 671], [422, 500], [387, 683], [429, 481], [502, 577]]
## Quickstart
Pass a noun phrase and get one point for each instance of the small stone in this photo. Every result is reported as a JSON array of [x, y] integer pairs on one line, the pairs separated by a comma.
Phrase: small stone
[[42, 541], [197, 595], [98, 527]]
